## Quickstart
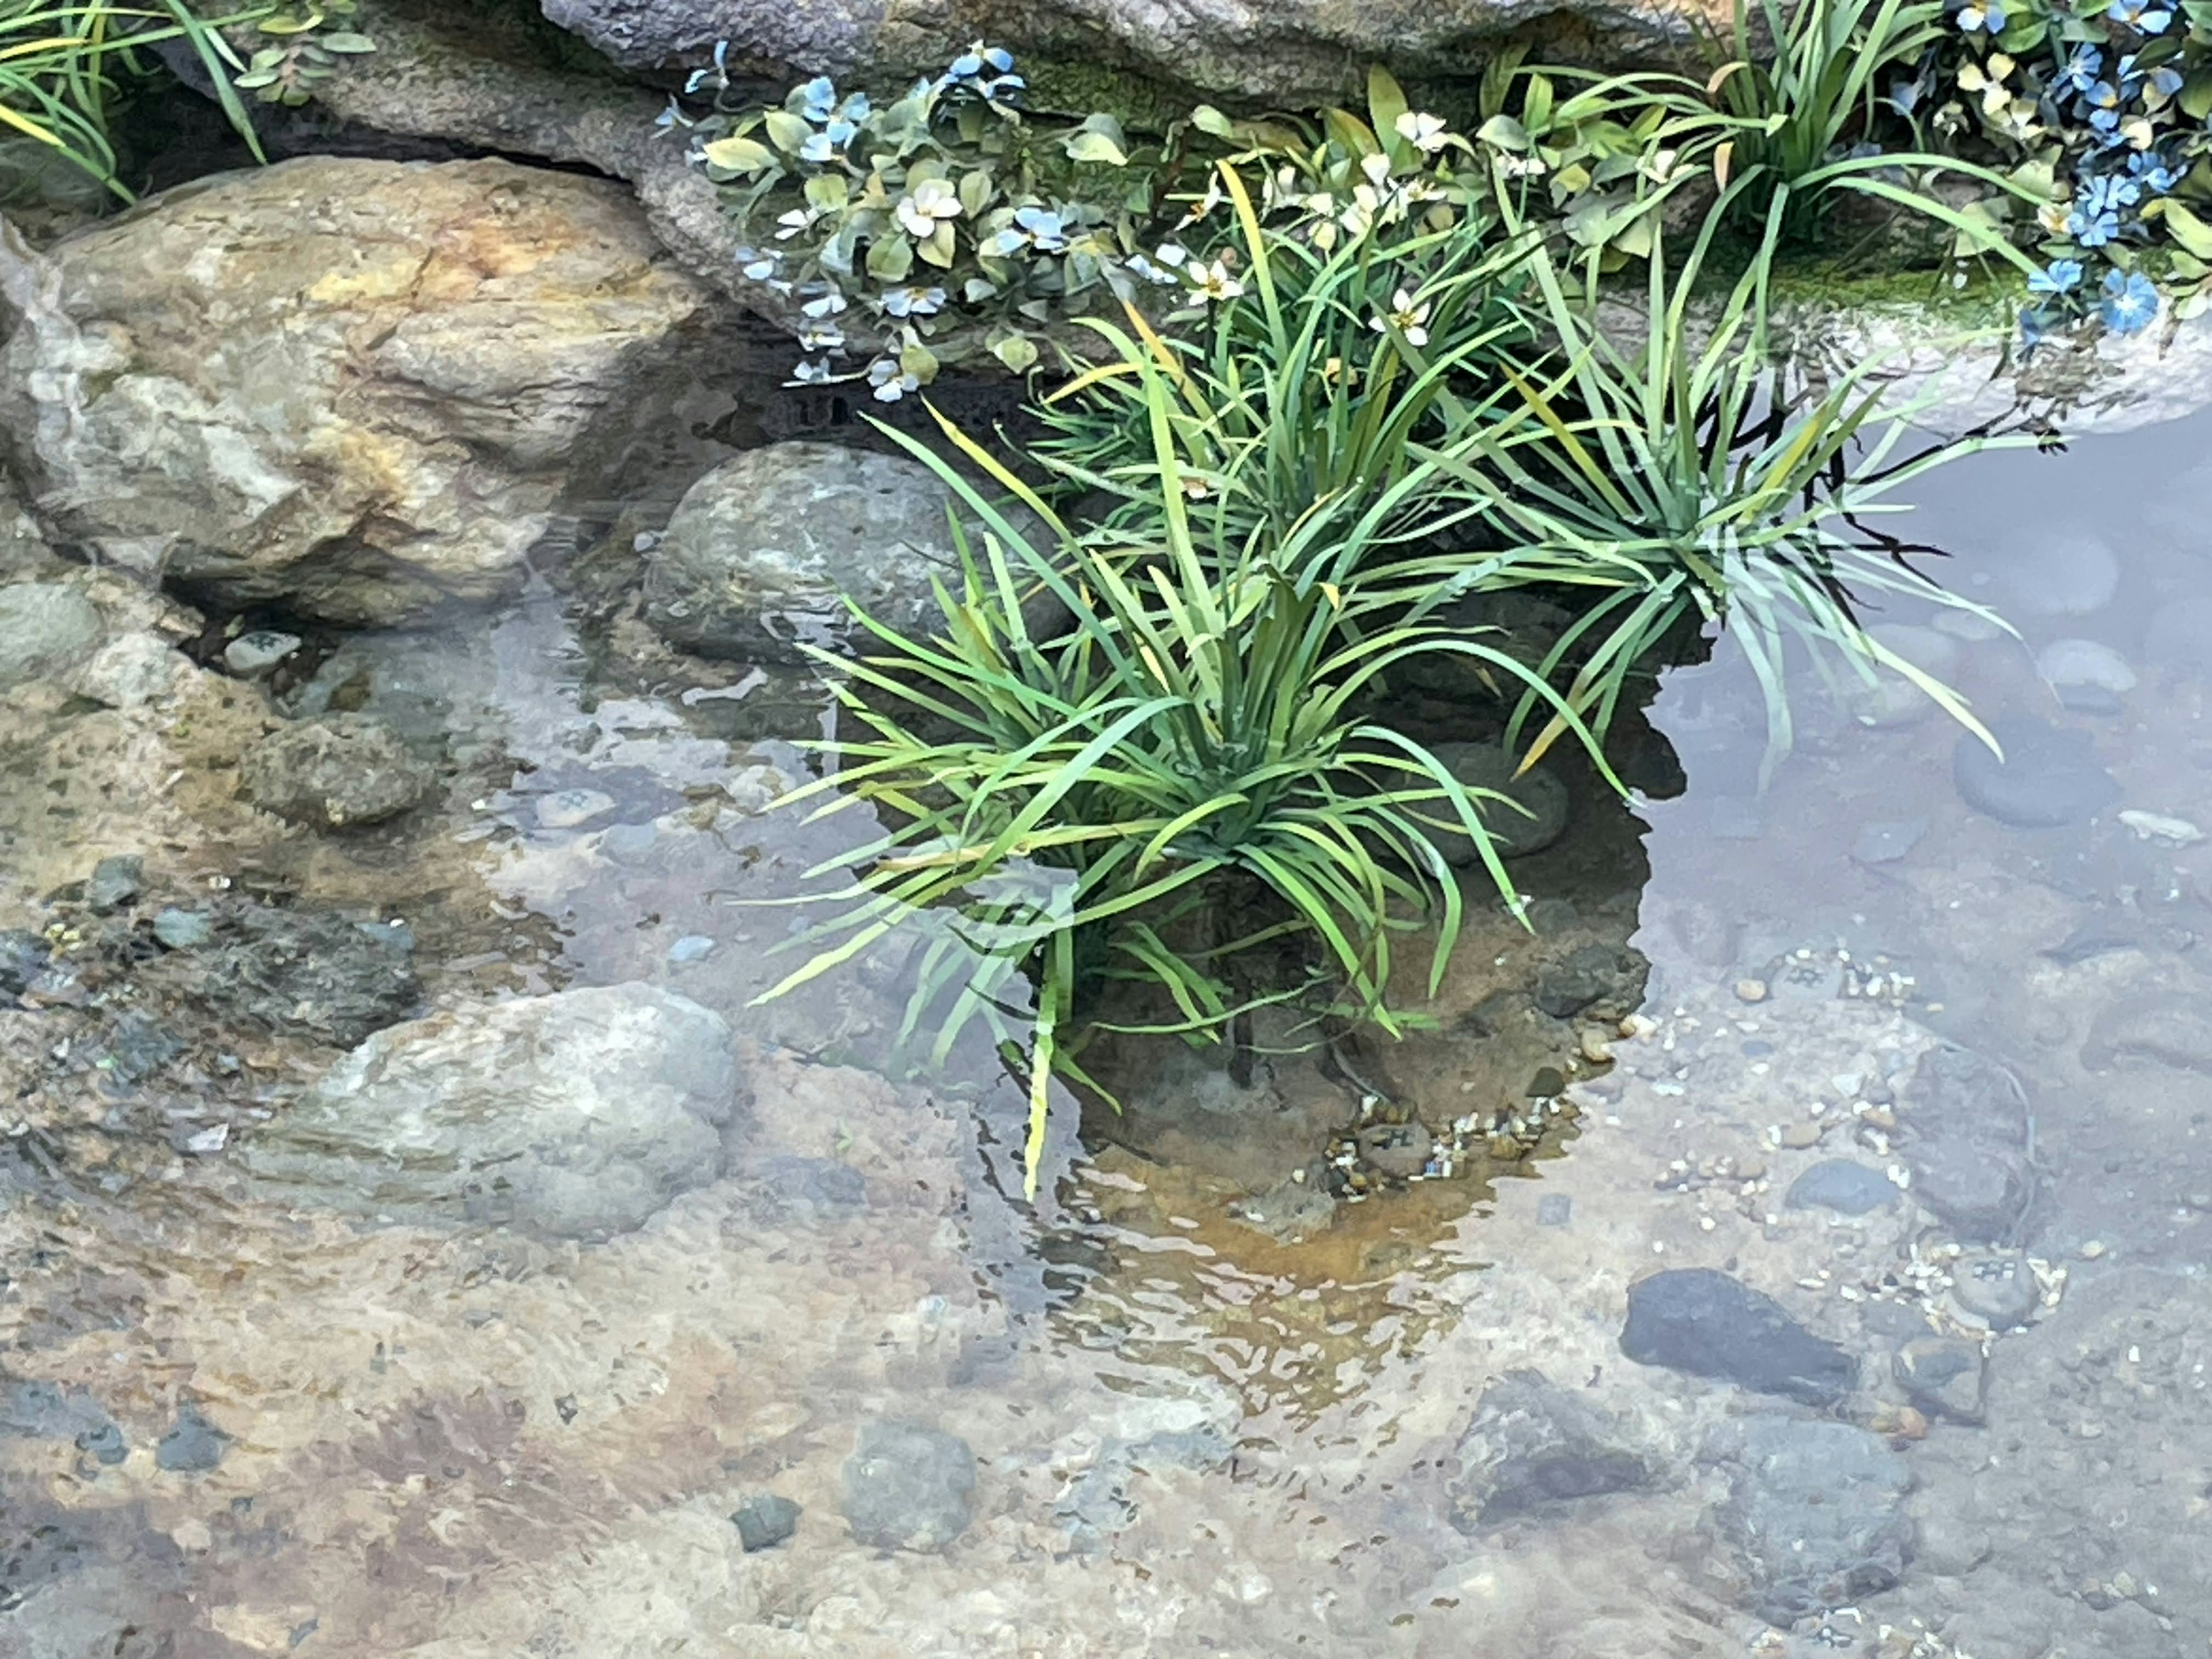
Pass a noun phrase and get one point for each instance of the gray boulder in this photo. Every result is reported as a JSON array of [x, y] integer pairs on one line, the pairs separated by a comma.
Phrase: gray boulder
[[45, 627], [1298, 50], [348, 385], [335, 772], [576, 1115], [760, 553], [1702, 1321]]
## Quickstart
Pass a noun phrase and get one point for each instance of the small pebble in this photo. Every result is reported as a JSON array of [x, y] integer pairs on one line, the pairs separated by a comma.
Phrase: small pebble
[[1595, 1048], [2092, 1249], [252, 656], [1799, 1136], [182, 930], [691, 948], [764, 1521], [1751, 990]]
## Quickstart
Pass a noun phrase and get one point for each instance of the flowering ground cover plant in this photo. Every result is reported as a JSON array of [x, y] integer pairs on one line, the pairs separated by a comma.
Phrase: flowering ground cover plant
[[2106, 111]]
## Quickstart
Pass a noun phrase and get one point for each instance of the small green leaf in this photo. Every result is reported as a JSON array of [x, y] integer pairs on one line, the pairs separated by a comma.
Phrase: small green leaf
[[978, 289], [890, 259], [1386, 99], [2195, 98], [257, 79], [919, 361], [787, 131], [738, 155], [347, 41], [1083, 146], [976, 192], [291, 22], [1016, 351], [830, 191], [939, 247], [2194, 235], [1212, 123], [1503, 132]]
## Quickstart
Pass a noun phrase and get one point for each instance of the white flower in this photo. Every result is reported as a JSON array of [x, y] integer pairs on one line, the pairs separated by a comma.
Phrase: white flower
[[1425, 133], [1377, 169], [1170, 254], [1406, 317], [1205, 205], [822, 337], [1212, 282], [930, 202], [792, 223], [760, 271], [809, 374], [827, 306]]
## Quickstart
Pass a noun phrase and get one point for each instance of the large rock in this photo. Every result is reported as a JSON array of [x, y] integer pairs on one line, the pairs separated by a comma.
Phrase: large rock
[[1286, 49], [1702, 1321], [45, 627], [577, 1114], [348, 385], [1533, 1443], [1816, 1514], [759, 551], [908, 1487], [335, 771]]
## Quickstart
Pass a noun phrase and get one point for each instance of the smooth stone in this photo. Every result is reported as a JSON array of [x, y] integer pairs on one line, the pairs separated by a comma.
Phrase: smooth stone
[[252, 656], [131, 672], [1839, 1184], [578, 1115], [192, 1446], [1704, 1322], [1533, 1445], [336, 772], [115, 881], [2061, 570], [1400, 1150], [1885, 843], [1945, 1377], [2048, 778], [764, 1521], [2173, 1029], [565, 809], [1816, 1514], [46, 628], [183, 930], [1999, 1289], [1981, 1188], [1537, 814], [692, 947], [908, 1486]]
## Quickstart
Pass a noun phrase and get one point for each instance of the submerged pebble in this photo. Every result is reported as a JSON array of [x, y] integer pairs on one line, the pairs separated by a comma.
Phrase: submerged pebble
[[1841, 1185], [764, 1521], [1705, 1323], [252, 656], [2085, 677], [1887, 841], [2047, 778], [908, 1486], [192, 1446]]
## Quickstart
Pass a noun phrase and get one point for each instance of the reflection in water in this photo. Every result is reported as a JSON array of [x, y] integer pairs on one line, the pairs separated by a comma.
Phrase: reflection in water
[[1900, 1180]]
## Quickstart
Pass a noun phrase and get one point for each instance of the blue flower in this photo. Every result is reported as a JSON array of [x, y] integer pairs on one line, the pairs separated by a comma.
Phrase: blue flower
[[985, 70], [1033, 227], [2152, 172], [821, 98], [2063, 277], [2145, 16], [2034, 328], [2093, 230], [2109, 192], [2130, 302], [2082, 69], [719, 75], [829, 144], [2164, 82], [1981, 16]]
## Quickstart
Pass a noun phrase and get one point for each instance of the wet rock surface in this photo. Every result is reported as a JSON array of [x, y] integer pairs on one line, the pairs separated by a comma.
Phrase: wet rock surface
[[336, 772], [2048, 778], [577, 1114], [45, 627], [307, 973], [1533, 1443], [1532, 816], [1709, 1324], [908, 1487], [763, 552], [1816, 1513], [348, 385]]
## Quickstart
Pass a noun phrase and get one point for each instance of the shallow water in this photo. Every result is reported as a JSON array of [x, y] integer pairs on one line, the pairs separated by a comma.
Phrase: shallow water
[[244, 1420]]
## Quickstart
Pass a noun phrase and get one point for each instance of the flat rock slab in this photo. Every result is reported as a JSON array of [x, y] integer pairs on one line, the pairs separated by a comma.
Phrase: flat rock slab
[[1816, 1514], [2049, 777], [1533, 1443], [577, 1116], [1702, 1321], [908, 1487]]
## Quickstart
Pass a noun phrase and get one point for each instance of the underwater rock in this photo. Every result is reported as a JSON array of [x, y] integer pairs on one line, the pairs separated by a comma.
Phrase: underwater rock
[[1532, 1443], [1955, 1090], [2085, 677], [192, 1446], [335, 772], [909, 1487], [764, 1521], [1816, 1515], [576, 1115], [1946, 1377], [45, 627], [1887, 841], [308, 973], [2061, 570], [2048, 777], [1701, 1321], [1539, 793], [761, 554], [1983, 1188], [115, 881], [350, 386], [1841, 1185]]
